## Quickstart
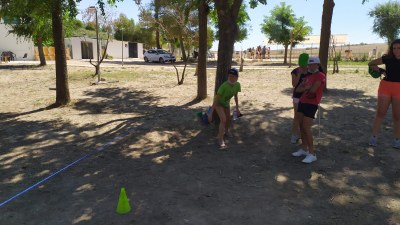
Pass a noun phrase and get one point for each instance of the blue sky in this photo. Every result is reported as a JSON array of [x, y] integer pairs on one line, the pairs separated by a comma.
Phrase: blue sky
[[349, 17]]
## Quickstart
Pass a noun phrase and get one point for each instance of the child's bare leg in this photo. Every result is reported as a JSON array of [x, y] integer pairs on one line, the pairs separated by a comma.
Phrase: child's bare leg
[[221, 129]]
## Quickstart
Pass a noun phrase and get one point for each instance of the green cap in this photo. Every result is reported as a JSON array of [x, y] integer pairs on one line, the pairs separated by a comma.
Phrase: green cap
[[373, 73], [303, 59]]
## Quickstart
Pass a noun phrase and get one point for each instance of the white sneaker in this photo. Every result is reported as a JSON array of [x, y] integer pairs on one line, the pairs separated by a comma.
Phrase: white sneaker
[[294, 139], [309, 158], [299, 153]]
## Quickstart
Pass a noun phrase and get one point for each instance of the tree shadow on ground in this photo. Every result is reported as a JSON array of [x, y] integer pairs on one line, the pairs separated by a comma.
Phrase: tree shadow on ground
[[175, 174], [18, 67]]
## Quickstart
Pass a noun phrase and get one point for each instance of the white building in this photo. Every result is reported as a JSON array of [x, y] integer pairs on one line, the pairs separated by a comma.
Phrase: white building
[[77, 47], [86, 48], [23, 49]]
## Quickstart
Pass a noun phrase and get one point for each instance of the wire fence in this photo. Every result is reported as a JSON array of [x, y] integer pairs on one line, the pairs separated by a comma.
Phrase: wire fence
[[361, 52]]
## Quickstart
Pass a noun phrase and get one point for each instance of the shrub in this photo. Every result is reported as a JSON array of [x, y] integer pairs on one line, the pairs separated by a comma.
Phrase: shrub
[[364, 58]]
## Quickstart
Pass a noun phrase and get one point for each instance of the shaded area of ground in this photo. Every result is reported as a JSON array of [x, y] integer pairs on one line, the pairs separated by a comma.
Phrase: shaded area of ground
[[169, 162]]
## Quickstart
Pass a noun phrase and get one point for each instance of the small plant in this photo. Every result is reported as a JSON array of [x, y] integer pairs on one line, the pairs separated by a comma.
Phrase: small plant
[[364, 58], [339, 56], [356, 71]]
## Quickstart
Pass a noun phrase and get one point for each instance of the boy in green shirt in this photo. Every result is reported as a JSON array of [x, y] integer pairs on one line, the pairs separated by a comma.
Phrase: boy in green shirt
[[221, 104]]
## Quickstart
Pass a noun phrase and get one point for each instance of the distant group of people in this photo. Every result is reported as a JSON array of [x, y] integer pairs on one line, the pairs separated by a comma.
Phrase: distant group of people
[[258, 52], [308, 81]]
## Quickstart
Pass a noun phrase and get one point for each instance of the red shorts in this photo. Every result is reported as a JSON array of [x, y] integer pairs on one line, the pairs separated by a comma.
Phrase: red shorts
[[389, 89]]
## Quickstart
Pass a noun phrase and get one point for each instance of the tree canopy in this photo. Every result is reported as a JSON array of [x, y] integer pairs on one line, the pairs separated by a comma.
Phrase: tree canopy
[[282, 27], [386, 20]]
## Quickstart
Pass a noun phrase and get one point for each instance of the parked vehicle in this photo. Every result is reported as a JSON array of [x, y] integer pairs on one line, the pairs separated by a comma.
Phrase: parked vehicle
[[158, 55]]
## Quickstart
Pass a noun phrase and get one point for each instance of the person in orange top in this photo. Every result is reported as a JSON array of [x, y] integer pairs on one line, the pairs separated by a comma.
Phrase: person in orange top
[[388, 92]]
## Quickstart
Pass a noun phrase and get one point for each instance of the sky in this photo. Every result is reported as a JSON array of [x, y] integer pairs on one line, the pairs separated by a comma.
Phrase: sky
[[349, 17]]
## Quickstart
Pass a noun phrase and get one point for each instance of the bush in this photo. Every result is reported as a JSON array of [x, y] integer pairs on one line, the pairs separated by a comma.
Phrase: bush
[[364, 58]]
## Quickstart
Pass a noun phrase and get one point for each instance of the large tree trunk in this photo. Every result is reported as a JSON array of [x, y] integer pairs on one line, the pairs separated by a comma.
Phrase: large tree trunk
[[325, 35], [41, 52], [228, 29], [202, 57], [62, 90]]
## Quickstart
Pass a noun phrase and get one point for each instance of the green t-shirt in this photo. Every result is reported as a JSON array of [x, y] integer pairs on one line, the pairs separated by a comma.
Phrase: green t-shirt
[[226, 91]]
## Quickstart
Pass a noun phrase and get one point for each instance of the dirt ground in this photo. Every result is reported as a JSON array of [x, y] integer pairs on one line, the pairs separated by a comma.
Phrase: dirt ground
[[142, 133]]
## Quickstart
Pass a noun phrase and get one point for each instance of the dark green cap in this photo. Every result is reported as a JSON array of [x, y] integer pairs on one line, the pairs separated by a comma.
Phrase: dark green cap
[[303, 59]]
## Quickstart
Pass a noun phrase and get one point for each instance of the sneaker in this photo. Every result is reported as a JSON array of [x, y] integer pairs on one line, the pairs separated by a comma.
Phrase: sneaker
[[222, 145], [299, 153], [396, 143], [294, 139], [373, 141], [309, 158]]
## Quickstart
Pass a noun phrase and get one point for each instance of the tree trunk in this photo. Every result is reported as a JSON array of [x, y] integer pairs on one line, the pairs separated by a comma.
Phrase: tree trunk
[[228, 29], [285, 54], [62, 90], [98, 72], [156, 12], [181, 43], [41, 52], [202, 57], [325, 35]]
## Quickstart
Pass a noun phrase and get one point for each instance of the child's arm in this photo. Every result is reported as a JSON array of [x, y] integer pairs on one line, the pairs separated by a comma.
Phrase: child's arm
[[314, 87], [302, 88], [295, 77], [374, 64]]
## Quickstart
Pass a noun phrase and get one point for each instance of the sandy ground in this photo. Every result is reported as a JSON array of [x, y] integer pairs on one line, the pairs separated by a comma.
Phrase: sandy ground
[[143, 134]]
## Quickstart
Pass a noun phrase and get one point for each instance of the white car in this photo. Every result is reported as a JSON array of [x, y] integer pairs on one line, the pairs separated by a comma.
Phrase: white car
[[158, 55]]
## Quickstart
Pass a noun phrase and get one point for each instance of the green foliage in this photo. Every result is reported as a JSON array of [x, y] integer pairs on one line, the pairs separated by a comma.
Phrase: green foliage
[[243, 19], [176, 21], [254, 3], [242, 23], [282, 24], [210, 38], [362, 58], [339, 56], [386, 20], [123, 26], [32, 19], [300, 30]]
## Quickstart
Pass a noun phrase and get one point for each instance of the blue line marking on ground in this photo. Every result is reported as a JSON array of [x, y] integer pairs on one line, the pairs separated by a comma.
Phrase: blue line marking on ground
[[99, 149]]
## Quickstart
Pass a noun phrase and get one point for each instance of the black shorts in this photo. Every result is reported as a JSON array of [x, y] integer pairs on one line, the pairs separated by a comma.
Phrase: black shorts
[[308, 110]]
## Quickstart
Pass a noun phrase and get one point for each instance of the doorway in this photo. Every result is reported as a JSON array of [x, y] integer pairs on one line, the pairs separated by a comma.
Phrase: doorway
[[87, 50], [133, 50]]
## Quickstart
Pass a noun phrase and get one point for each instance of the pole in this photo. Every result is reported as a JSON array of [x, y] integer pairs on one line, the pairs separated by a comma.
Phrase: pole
[[98, 48], [122, 30]]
